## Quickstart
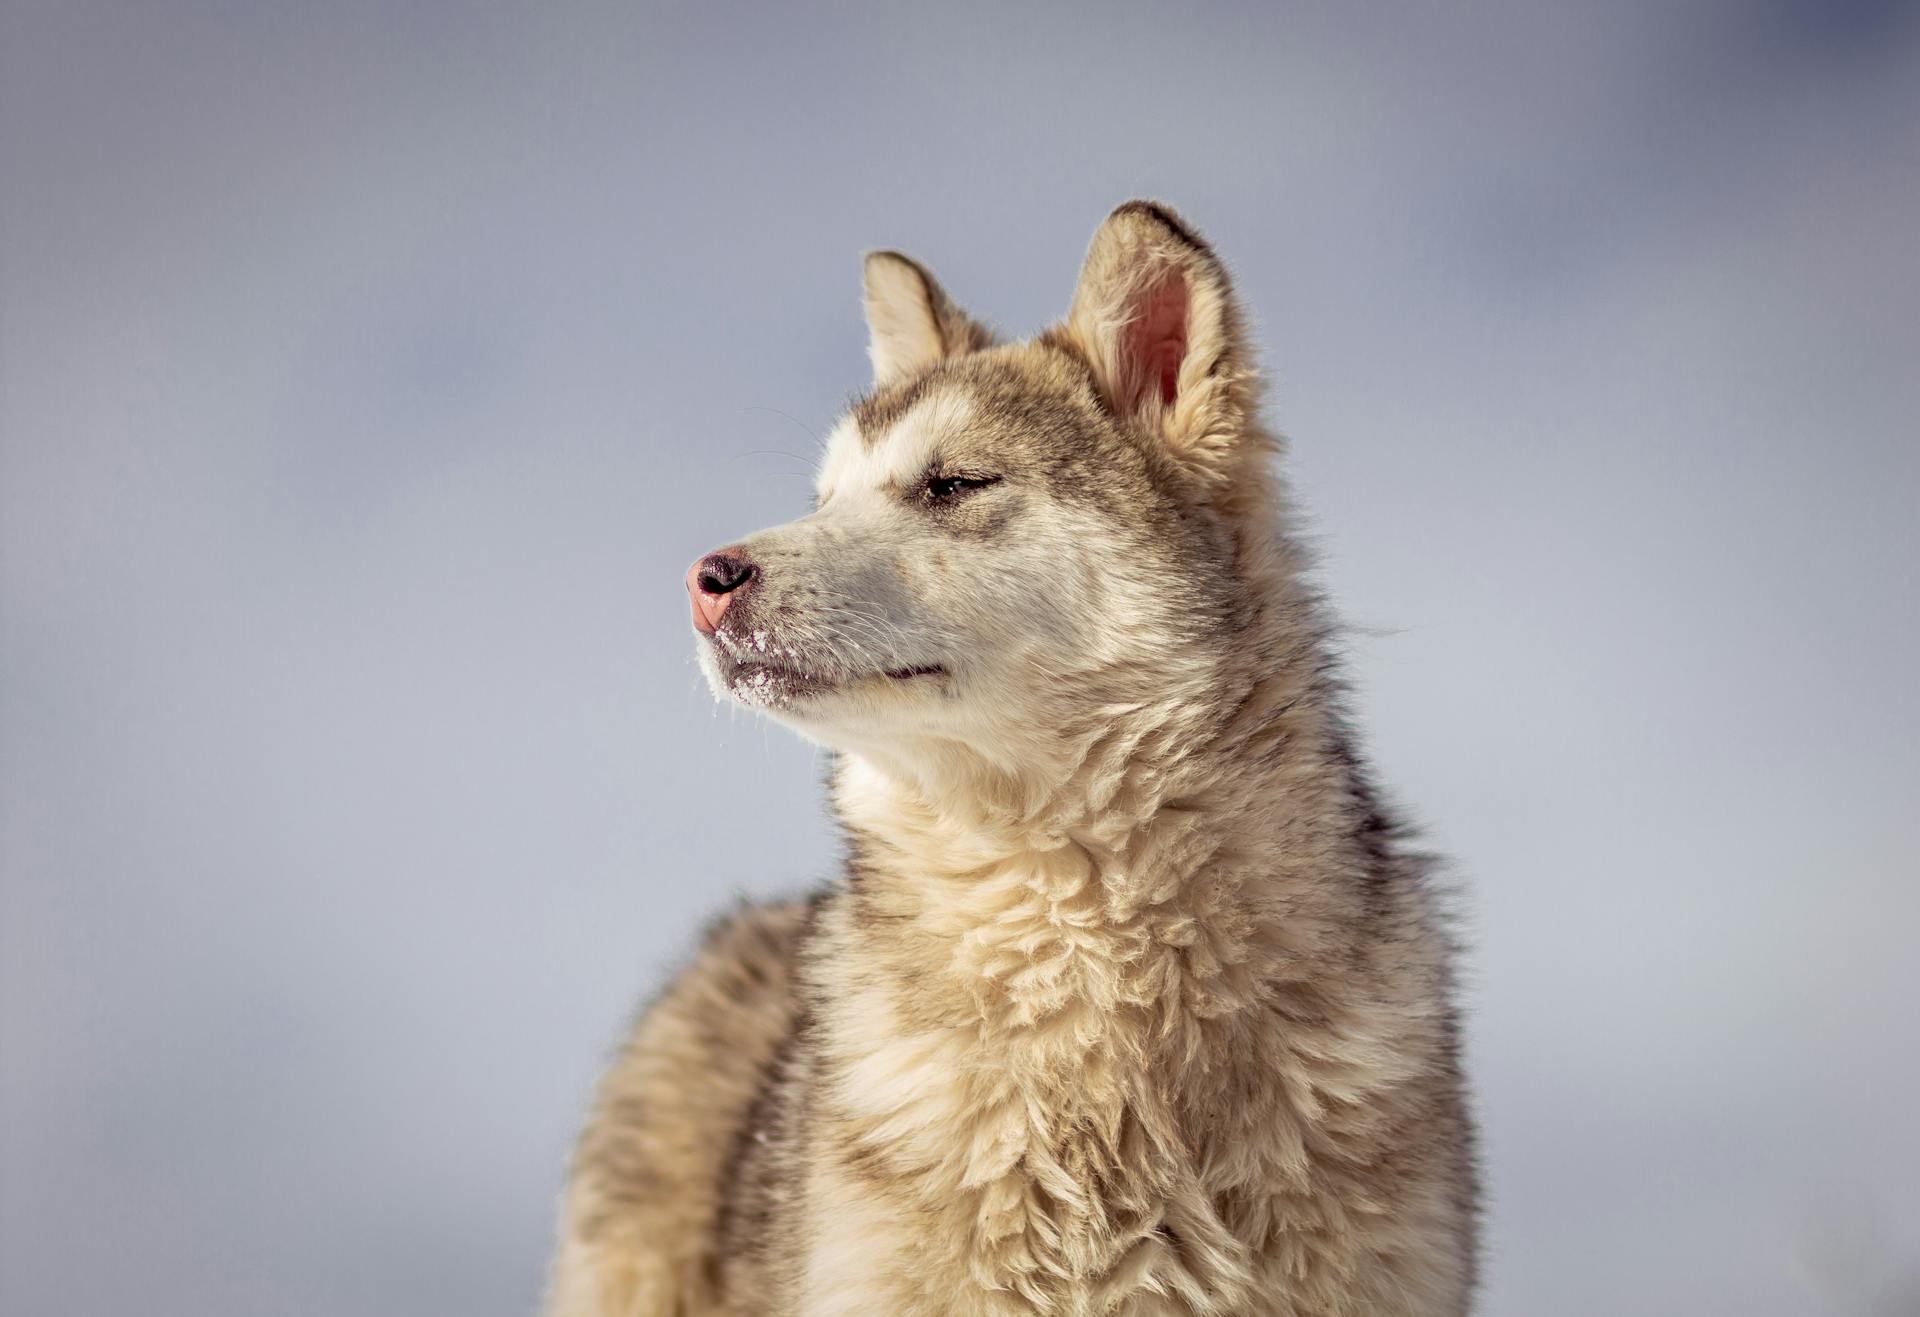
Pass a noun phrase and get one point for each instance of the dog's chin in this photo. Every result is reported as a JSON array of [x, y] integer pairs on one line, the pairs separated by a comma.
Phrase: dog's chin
[[773, 685]]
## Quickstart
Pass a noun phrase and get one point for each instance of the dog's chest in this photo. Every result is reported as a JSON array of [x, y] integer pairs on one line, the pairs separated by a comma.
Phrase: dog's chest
[[1038, 1166]]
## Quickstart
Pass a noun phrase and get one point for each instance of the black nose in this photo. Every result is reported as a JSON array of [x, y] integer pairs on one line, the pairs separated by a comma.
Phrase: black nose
[[724, 572]]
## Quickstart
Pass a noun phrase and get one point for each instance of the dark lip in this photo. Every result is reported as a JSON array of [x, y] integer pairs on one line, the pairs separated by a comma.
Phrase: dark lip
[[925, 670]]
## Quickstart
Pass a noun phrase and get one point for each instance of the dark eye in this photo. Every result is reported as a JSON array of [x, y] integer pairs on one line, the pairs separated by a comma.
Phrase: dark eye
[[942, 489]]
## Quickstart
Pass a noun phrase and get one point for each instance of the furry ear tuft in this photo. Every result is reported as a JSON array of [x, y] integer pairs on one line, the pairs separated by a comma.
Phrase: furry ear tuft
[[1154, 315], [911, 322]]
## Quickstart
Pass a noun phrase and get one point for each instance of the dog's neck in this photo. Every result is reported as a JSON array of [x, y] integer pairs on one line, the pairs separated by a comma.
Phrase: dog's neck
[[1145, 880]]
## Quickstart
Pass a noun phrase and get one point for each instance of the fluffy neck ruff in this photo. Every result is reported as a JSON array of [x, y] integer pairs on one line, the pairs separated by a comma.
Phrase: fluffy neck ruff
[[1162, 872]]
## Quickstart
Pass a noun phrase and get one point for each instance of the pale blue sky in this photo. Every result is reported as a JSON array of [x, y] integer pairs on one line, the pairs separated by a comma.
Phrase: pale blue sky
[[368, 375]]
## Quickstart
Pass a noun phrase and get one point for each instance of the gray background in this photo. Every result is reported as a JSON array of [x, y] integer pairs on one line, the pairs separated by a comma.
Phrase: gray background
[[369, 373]]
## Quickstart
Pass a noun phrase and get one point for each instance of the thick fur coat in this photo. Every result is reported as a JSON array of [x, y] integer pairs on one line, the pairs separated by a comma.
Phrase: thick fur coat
[[1131, 999]]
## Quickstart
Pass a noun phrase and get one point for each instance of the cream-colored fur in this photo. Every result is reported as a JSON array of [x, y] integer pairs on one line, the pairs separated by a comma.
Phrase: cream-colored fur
[[1131, 1000]]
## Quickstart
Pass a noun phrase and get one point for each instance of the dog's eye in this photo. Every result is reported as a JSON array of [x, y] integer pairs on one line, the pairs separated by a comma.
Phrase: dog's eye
[[944, 489]]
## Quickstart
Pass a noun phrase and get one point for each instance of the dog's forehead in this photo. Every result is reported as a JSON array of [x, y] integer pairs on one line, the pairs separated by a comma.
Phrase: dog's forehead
[[876, 449]]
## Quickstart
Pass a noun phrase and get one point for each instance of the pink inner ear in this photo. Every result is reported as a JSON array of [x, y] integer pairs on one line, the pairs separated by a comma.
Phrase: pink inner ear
[[1155, 341]]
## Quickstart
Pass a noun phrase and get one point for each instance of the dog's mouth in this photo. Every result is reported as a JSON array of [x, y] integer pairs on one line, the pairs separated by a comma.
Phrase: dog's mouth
[[757, 680]]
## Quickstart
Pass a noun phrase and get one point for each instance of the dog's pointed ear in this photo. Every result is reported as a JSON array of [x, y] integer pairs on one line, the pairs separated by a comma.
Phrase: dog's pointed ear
[[1155, 316], [911, 322]]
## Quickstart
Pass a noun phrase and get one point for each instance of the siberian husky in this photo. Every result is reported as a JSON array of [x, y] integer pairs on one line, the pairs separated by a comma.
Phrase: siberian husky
[[1131, 999]]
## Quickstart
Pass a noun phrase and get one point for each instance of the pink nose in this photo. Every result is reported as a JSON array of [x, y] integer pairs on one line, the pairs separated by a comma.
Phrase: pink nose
[[713, 583]]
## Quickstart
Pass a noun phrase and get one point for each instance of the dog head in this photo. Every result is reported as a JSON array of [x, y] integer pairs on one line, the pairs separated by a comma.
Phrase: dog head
[[1011, 543]]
